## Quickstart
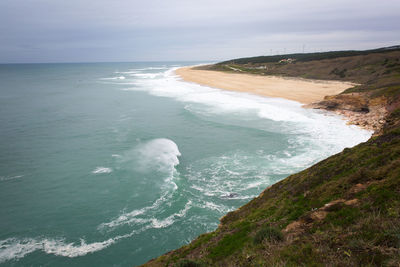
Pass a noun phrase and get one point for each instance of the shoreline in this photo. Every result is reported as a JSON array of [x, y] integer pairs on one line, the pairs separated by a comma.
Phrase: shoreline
[[300, 90], [302, 202], [311, 93]]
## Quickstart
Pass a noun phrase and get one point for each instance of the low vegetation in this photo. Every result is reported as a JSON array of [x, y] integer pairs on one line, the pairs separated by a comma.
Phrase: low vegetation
[[268, 234], [343, 211]]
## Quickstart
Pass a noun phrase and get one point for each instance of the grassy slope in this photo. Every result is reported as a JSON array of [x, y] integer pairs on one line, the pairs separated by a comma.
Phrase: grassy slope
[[343, 211]]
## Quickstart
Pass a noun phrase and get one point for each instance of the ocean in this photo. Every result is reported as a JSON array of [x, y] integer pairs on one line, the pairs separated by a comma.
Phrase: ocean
[[113, 164]]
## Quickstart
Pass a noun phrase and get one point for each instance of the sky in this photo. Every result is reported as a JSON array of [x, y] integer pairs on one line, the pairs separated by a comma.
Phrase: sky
[[34, 31]]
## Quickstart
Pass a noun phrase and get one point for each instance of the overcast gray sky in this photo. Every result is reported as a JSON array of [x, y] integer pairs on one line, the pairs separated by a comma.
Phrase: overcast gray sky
[[156, 30]]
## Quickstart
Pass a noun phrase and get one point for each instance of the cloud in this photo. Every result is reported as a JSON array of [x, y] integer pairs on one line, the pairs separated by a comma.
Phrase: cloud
[[123, 30]]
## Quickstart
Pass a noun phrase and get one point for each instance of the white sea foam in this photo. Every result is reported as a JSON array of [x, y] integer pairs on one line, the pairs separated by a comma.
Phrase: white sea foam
[[126, 72], [8, 178], [16, 248], [100, 170], [115, 78], [152, 68], [157, 223], [222, 209], [13, 248], [315, 126], [161, 154], [130, 217], [241, 176], [313, 135], [230, 177], [141, 217], [216, 101], [146, 75], [255, 184]]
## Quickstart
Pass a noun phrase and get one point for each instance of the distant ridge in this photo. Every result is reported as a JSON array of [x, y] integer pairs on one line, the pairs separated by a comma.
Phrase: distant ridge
[[303, 57]]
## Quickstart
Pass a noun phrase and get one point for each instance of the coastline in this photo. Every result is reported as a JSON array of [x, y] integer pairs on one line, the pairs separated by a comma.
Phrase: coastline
[[301, 90], [306, 209], [312, 93]]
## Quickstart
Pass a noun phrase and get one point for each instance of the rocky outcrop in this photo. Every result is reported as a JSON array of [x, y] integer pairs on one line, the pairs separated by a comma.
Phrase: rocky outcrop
[[358, 108]]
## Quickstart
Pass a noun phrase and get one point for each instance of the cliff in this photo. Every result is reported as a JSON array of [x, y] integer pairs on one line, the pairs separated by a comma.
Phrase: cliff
[[344, 210]]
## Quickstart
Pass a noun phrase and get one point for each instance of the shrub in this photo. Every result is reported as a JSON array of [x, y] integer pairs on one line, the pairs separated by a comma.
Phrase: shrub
[[344, 216], [268, 233]]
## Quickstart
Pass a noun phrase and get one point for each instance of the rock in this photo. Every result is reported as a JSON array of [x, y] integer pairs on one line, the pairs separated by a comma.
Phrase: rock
[[351, 202], [231, 195]]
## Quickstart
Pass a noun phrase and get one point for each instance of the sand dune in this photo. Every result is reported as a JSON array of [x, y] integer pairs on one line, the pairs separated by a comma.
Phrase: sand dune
[[302, 90]]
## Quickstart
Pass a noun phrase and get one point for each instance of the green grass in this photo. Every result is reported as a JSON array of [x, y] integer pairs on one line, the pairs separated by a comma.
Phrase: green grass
[[301, 254], [344, 216], [268, 233], [230, 243]]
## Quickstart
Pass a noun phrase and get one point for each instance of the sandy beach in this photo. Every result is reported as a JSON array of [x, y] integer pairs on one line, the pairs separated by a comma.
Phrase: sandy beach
[[301, 90]]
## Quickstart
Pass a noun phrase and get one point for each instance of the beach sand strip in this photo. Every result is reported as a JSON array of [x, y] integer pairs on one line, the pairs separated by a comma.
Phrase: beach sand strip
[[305, 91]]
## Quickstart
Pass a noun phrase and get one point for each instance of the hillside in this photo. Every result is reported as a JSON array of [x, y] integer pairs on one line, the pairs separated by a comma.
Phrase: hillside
[[303, 57], [344, 210]]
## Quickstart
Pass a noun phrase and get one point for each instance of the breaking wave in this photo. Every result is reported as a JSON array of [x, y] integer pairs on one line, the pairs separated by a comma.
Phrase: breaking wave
[[14, 248], [280, 115], [115, 78], [161, 154], [99, 170], [8, 178]]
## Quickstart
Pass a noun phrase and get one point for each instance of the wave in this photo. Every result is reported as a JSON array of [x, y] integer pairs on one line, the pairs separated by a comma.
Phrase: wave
[[17, 248], [146, 75], [156, 223], [282, 115], [130, 217], [208, 205], [126, 72], [147, 215], [312, 136], [153, 68], [100, 170], [242, 175], [220, 101], [8, 178], [114, 78], [160, 154], [157, 155], [13, 248]]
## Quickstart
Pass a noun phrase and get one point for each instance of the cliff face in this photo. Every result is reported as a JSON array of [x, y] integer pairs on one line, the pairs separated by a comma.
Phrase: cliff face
[[359, 109], [343, 211]]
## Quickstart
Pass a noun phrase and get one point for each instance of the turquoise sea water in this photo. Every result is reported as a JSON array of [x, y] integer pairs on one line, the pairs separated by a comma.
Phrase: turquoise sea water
[[112, 164]]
